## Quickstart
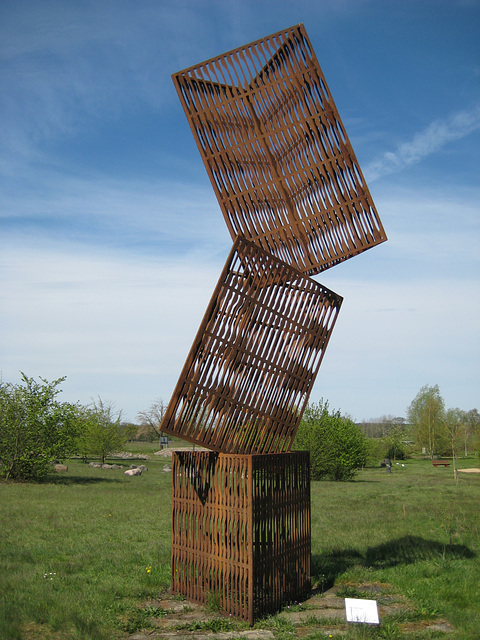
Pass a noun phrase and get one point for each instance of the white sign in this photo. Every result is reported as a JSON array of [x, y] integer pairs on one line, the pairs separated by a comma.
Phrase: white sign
[[365, 611]]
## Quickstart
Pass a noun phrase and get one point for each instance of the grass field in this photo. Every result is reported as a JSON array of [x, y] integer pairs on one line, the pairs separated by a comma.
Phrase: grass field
[[81, 553]]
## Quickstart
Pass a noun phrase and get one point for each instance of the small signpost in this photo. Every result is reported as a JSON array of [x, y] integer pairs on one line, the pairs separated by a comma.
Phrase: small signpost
[[363, 611]]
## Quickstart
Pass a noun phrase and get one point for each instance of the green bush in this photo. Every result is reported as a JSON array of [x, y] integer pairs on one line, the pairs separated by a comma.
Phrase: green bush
[[337, 446], [395, 452], [375, 450], [34, 428]]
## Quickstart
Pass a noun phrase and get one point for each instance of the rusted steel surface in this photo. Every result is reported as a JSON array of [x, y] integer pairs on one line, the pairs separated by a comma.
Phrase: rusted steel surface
[[296, 203], [277, 154], [241, 530], [255, 358]]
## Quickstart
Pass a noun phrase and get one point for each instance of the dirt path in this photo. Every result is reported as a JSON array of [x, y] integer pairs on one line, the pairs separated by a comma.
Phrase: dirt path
[[320, 612]]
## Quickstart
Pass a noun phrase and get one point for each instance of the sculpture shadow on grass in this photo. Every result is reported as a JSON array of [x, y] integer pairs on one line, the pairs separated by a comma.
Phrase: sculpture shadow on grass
[[405, 550], [72, 480]]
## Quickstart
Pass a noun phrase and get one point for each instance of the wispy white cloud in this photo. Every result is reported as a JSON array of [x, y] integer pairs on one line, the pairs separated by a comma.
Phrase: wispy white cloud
[[434, 137], [67, 66], [87, 313], [159, 217], [391, 338], [120, 325]]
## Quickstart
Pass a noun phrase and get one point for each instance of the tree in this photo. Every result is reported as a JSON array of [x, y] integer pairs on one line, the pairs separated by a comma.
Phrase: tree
[[128, 430], [382, 427], [455, 421], [426, 414], [393, 440], [101, 432], [336, 444], [472, 422], [34, 428], [151, 420]]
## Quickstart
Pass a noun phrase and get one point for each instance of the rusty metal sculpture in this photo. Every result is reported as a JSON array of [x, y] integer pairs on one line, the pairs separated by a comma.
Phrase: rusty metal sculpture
[[296, 203]]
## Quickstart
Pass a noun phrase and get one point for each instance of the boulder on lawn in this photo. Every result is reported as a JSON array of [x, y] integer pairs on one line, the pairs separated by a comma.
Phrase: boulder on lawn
[[133, 472], [142, 467]]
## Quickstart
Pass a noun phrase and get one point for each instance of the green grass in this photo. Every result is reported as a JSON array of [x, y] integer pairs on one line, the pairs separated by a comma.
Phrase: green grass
[[415, 529], [74, 551]]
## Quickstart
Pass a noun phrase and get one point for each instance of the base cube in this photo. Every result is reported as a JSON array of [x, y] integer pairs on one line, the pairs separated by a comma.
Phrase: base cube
[[241, 530]]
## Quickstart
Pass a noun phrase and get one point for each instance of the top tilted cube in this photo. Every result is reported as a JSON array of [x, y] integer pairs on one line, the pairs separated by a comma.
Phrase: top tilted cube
[[277, 153]]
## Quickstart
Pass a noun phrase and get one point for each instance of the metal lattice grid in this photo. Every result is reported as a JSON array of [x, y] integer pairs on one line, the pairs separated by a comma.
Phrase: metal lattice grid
[[241, 530], [277, 154], [255, 358]]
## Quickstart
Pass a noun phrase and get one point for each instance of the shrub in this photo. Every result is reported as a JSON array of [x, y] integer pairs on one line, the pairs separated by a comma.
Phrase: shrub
[[337, 446], [34, 428], [395, 452]]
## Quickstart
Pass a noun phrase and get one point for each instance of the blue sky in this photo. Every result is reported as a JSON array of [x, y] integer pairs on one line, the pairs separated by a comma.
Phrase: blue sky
[[111, 239]]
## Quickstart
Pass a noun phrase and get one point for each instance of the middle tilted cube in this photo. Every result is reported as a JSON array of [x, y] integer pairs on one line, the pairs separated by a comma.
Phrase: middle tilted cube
[[255, 358]]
